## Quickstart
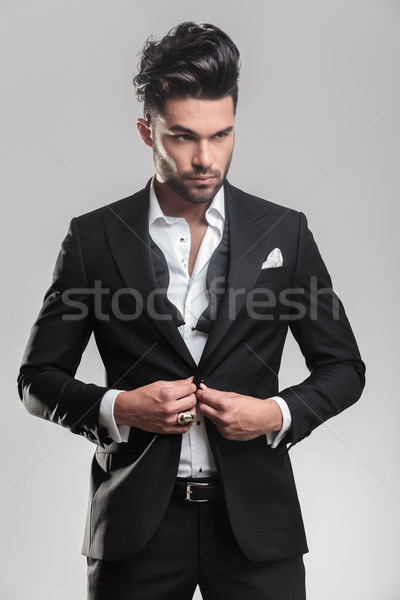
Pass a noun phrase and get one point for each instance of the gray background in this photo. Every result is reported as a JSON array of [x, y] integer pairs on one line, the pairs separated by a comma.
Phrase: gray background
[[318, 130]]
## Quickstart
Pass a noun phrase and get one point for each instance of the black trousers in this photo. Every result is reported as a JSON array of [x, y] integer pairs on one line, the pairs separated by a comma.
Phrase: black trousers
[[194, 545]]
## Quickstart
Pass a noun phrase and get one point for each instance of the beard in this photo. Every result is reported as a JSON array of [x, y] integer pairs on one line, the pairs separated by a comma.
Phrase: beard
[[203, 193]]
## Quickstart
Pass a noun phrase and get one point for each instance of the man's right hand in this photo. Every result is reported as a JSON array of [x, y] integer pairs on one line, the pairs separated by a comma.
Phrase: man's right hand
[[155, 407]]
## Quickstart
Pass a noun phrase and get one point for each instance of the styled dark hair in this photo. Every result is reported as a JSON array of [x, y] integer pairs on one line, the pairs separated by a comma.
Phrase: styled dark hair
[[200, 61]]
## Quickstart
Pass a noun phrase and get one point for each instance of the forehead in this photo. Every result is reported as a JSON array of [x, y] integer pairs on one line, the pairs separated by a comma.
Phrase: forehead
[[202, 116]]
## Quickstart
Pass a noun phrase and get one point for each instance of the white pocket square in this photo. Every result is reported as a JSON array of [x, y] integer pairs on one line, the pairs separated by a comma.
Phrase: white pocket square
[[274, 259]]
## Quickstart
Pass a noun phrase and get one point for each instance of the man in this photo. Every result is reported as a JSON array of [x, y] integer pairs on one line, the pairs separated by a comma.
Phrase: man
[[189, 287]]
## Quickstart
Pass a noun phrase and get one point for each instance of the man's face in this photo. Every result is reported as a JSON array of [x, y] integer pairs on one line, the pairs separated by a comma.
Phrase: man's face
[[192, 143]]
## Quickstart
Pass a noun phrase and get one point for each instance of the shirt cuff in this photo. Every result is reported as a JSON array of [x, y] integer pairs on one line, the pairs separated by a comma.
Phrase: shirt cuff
[[118, 433], [275, 437]]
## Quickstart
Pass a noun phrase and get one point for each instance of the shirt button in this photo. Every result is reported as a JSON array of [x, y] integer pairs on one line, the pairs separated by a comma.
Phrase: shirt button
[[182, 240]]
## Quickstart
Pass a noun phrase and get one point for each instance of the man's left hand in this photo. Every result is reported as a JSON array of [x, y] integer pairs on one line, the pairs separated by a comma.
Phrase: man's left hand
[[238, 417]]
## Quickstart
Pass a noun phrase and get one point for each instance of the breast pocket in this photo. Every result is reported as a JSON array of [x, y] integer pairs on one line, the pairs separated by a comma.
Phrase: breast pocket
[[271, 275], [264, 300]]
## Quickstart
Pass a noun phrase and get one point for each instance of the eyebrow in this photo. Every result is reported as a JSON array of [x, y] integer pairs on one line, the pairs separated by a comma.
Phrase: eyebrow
[[181, 129]]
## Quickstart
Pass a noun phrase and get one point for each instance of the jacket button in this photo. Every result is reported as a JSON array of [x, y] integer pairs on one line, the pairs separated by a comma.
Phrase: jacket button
[[198, 380]]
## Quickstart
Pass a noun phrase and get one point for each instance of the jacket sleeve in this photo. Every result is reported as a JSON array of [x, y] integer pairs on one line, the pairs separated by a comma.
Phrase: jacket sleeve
[[320, 326], [46, 381]]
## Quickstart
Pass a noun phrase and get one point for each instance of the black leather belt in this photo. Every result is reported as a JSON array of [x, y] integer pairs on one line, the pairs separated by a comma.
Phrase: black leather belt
[[198, 490]]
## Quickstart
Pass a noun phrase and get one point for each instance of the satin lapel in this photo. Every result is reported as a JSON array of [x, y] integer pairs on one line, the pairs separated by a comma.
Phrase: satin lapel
[[247, 251], [129, 242]]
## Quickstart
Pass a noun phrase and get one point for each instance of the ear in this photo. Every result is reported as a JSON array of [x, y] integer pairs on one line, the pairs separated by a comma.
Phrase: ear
[[144, 131]]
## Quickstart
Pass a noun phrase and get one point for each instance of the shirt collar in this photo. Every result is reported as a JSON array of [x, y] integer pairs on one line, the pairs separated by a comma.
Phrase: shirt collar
[[215, 213]]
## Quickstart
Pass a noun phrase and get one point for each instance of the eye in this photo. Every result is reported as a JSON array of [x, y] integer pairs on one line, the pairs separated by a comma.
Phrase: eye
[[221, 135], [183, 137]]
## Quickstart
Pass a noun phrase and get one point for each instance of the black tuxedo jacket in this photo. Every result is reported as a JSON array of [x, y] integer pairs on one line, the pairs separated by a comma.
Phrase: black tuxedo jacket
[[104, 283]]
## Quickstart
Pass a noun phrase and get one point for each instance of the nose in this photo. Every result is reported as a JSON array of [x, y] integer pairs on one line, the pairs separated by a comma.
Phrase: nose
[[202, 156]]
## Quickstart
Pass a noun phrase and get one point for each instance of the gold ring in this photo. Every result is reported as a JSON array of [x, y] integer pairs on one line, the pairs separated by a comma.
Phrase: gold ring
[[184, 418]]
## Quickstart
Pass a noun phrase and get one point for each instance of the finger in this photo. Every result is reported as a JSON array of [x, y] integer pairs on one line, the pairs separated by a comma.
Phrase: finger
[[187, 392], [207, 411], [208, 392], [177, 382], [184, 408], [176, 392], [187, 380], [185, 414], [211, 397], [203, 390], [189, 400], [174, 427], [185, 389], [184, 403]]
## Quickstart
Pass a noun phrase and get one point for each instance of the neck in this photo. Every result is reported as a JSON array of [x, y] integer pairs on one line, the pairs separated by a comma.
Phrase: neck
[[174, 205]]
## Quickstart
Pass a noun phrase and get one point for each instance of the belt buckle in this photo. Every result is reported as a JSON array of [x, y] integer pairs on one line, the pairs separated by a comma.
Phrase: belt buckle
[[191, 484]]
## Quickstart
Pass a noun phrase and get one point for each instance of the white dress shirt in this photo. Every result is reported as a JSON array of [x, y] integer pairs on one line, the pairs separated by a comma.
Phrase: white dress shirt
[[189, 295]]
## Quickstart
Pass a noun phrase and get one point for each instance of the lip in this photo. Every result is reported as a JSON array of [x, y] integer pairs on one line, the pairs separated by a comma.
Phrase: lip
[[203, 179]]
